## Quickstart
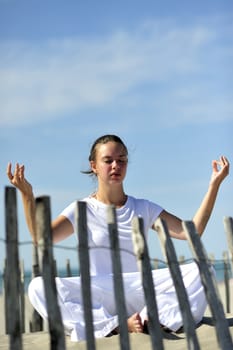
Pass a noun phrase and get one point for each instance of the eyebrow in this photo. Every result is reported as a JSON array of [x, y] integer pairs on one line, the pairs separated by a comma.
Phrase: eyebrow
[[120, 156]]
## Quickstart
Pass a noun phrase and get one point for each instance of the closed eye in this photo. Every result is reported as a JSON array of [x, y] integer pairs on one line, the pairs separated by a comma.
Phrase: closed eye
[[121, 160]]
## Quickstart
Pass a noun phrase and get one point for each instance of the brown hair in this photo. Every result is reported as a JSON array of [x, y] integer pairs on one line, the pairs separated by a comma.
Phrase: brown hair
[[100, 141]]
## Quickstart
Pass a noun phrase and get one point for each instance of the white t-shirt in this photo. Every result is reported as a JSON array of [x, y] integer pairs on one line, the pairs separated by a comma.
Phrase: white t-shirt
[[98, 236]]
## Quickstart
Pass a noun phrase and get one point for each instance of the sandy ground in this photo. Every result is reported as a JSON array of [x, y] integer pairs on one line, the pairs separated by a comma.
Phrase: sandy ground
[[205, 332]]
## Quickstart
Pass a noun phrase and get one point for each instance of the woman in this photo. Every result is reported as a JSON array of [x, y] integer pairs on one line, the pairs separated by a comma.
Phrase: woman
[[108, 162]]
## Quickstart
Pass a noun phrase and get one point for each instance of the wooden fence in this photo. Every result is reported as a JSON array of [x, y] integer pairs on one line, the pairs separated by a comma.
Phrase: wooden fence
[[14, 305]]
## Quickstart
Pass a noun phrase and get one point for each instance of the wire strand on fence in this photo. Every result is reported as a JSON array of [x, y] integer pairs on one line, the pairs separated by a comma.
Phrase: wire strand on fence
[[69, 248]]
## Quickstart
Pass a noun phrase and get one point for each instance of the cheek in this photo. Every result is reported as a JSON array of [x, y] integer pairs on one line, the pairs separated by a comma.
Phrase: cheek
[[125, 168], [103, 170]]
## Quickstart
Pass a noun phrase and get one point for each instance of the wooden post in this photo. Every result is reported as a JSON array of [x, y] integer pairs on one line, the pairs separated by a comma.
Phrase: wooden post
[[212, 258], [12, 277], [226, 280], [35, 321], [22, 298], [210, 286], [55, 267], [141, 252], [85, 272], [44, 234], [228, 225], [68, 269], [173, 264], [5, 297], [117, 278]]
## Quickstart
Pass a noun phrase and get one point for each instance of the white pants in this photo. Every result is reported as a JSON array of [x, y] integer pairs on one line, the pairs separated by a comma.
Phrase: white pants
[[103, 302]]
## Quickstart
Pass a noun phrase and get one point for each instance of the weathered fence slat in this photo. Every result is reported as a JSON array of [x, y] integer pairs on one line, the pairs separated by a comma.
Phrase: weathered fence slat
[[226, 280], [117, 277], [44, 234], [68, 268], [35, 320], [228, 226], [84, 262], [5, 297], [12, 275], [210, 286], [173, 264], [141, 252], [22, 298]]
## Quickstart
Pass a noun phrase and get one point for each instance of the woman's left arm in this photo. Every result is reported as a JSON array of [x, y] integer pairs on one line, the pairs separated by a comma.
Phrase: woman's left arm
[[201, 218], [220, 171]]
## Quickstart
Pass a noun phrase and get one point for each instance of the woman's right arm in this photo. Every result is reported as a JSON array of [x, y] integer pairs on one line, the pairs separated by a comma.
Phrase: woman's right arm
[[17, 179], [61, 227]]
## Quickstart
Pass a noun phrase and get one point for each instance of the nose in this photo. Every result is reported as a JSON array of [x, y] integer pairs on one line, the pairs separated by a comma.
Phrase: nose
[[115, 164]]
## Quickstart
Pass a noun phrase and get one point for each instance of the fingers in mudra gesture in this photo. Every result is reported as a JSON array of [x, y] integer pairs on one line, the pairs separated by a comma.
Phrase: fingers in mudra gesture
[[220, 169], [17, 178]]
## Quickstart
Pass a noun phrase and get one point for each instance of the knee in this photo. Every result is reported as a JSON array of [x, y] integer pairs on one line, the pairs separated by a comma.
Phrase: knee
[[35, 288]]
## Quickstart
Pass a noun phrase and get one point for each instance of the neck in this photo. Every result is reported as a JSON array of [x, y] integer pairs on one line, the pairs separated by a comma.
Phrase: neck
[[116, 199]]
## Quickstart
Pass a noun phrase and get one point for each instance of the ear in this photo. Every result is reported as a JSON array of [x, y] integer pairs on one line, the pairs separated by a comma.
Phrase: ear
[[93, 166]]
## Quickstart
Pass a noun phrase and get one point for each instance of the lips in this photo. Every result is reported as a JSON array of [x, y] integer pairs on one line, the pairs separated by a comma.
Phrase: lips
[[115, 175]]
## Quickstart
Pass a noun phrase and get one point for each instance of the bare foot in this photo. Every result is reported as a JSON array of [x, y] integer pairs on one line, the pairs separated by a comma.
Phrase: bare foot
[[135, 323]]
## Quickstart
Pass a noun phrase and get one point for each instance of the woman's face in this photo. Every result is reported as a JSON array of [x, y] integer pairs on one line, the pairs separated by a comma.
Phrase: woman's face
[[111, 163]]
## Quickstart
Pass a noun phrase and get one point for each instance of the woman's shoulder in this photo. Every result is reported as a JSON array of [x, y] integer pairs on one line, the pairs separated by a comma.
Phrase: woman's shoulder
[[139, 200], [143, 203]]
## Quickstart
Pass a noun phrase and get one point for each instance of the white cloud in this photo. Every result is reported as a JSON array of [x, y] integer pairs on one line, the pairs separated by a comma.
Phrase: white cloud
[[57, 77]]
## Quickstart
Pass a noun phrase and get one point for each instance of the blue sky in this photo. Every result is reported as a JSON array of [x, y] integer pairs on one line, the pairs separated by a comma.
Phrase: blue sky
[[158, 74]]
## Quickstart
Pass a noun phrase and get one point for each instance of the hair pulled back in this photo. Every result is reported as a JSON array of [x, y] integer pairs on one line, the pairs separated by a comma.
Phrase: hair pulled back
[[100, 141]]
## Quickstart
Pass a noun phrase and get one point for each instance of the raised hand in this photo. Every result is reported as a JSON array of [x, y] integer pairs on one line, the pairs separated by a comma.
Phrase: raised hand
[[221, 169], [17, 179]]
